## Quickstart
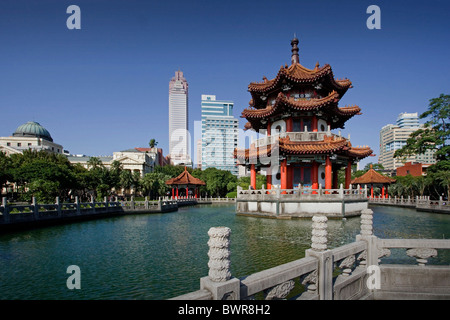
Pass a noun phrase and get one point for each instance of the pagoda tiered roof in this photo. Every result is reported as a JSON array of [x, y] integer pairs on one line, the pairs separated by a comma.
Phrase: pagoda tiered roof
[[299, 74], [329, 145], [328, 104]]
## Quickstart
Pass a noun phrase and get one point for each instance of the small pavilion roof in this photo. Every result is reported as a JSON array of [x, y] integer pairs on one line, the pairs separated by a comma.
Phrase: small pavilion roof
[[374, 177], [185, 178]]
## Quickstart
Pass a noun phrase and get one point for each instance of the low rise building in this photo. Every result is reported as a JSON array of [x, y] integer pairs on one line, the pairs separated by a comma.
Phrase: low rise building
[[29, 136]]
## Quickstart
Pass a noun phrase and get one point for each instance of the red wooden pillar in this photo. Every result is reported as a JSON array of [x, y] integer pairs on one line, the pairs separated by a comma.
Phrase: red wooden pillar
[[348, 174], [382, 192], [314, 124], [187, 192], [289, 124], [315, 177], [386, 193], [328, 173], [173, 192], [253, 176], [371, 190], [283, 173], [177, 192]]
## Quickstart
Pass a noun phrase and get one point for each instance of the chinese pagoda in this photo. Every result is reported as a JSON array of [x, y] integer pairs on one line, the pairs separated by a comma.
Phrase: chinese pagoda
[[296, 111]]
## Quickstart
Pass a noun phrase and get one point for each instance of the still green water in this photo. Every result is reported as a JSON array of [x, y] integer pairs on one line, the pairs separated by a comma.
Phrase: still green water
[[159, 256]]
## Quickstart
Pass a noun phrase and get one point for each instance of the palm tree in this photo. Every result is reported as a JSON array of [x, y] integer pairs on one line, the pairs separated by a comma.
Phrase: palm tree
[[94, 163], [152, 143]]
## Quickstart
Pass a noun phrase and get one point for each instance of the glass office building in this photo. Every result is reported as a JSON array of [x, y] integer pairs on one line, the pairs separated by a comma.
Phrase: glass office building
[[219, 134]]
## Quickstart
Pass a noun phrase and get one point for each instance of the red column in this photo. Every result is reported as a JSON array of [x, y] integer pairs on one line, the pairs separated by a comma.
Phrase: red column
[[177, 192], [283, 173], [253, 176], [314, 124], [382, 192], [173, 192], [328, 173], [315, 177], [187, 192], [386, 195], [348, 174], [371, 190], [289, 124]]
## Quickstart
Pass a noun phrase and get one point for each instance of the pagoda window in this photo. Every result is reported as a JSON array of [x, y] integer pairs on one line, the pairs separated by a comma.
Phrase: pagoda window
[[300, 123], [302, 175]]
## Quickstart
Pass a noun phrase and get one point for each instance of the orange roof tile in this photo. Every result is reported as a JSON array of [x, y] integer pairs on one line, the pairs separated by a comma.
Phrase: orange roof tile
[[298, 73], [327, 146], [372, 176], [185, 178]]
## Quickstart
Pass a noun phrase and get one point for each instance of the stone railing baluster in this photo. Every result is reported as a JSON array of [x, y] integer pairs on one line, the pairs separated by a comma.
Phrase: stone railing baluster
[[219, 280]]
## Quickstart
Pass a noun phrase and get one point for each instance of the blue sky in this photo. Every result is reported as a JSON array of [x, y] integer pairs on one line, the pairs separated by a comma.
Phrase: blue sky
[[104, 88]]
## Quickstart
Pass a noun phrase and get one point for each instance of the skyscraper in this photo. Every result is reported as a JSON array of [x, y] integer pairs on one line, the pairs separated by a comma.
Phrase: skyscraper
[[219, 134], [178, 120], [393, 137]]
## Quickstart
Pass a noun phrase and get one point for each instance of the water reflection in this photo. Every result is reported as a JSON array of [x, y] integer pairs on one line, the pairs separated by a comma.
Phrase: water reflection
[[159, 256]]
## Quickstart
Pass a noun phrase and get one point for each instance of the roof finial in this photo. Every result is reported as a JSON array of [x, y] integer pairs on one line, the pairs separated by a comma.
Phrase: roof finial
[[295, 58]]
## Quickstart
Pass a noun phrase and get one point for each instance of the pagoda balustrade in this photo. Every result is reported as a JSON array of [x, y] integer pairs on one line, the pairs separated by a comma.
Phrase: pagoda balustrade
[[302, 192], [295, 136]]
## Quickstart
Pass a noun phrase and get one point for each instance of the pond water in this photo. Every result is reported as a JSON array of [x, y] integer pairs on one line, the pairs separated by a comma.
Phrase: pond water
[[159, 256]]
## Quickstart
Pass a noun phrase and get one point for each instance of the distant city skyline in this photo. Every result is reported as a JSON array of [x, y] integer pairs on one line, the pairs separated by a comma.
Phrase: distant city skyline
[[103, 88]]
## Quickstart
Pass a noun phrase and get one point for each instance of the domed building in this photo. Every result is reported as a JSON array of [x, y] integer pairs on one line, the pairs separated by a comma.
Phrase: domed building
[[30, 135]]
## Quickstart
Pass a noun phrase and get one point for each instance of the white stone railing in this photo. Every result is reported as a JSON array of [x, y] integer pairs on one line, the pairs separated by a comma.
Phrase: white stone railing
[[418, 202], [325, 274], [295, 136], [301, 193], [36, 211]]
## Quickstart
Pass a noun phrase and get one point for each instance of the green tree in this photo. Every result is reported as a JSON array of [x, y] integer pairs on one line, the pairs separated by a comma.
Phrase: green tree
[[152, 143], [5, 169]]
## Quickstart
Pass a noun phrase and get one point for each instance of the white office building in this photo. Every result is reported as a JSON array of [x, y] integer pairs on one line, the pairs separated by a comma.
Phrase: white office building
[[219, 134], [179, 138], [393, 137]]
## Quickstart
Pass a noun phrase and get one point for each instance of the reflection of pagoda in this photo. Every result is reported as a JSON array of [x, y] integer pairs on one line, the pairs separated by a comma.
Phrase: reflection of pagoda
[[297, 109]]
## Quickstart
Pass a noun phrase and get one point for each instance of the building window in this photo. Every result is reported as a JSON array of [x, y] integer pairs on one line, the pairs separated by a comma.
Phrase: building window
[[19, 144], [8, 144]]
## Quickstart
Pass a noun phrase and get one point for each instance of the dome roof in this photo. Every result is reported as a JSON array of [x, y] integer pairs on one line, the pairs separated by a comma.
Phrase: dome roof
[[32, 129]]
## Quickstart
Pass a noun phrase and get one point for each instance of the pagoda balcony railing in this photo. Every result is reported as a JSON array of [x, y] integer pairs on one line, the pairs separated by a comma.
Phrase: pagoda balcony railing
[[295, 136], [302, 193]]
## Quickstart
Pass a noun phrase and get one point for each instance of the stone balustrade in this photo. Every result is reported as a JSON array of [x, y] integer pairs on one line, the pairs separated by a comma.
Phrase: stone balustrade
[[302, 192], [420, 203], [325, 274], [295, 136]]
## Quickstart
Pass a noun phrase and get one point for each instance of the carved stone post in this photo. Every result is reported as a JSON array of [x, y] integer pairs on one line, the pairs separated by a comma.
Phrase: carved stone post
[[367, 222], [35, 208], [219, 281], [366, 234], [58, 206], [319, 233], [319, 250], [6, 217]]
